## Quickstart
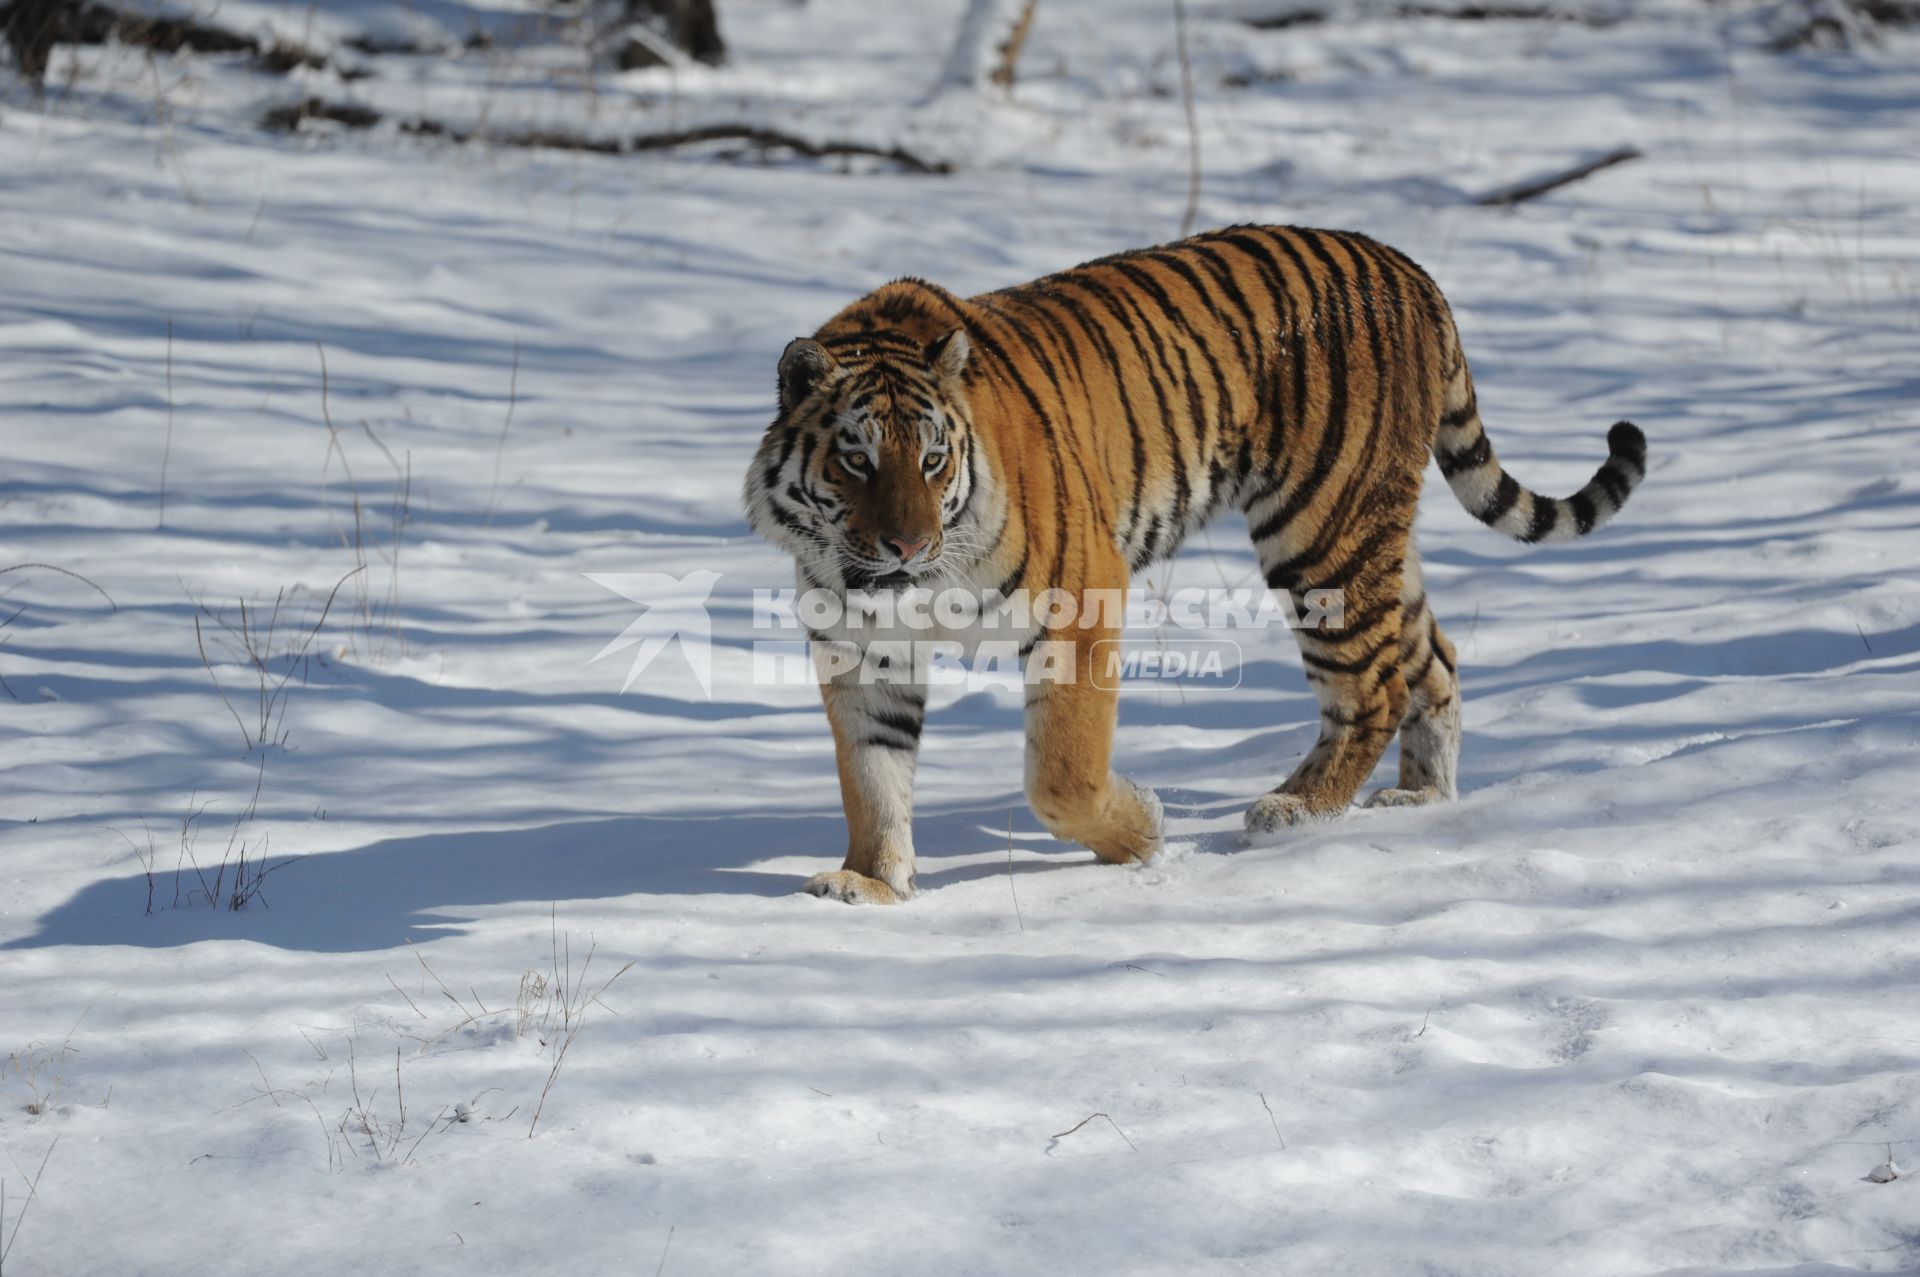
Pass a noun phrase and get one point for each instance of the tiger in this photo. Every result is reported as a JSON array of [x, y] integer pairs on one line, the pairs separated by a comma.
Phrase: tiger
[[1066, 433]]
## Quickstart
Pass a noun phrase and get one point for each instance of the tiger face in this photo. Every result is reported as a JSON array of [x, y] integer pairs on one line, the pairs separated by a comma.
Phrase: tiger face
[[866, 472]]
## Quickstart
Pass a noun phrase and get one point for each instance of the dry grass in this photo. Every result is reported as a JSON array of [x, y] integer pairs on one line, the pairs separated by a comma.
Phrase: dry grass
[[377, 633], [33, 1191], [253, 637]]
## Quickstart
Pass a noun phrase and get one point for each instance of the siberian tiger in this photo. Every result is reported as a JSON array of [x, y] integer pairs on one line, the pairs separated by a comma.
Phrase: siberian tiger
[[1065, 433]]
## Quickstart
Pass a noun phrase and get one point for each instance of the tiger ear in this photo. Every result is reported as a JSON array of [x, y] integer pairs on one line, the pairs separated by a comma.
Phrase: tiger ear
[[948, 355], [802, 364]]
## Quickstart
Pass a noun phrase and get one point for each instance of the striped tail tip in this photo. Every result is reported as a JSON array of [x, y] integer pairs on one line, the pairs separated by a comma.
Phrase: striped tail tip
[[1494, 497], [1625, 441]]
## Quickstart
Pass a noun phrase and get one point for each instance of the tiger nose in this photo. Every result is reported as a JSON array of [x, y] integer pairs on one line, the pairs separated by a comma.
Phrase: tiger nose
[[906, 547]]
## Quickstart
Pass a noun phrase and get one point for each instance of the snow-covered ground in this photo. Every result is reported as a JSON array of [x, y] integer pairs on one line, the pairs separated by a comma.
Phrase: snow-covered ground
[[1643, 1001]]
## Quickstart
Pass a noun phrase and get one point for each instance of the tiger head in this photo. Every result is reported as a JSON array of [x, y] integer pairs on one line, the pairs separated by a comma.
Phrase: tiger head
[[866, 473]]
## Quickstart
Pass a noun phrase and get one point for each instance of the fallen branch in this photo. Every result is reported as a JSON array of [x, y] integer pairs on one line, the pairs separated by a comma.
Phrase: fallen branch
[[399, 46], [1282, 21], [1519, 193], [286, 119], [1837, 24], [1461, 13], [1504, 13], [776, 139], [33, 26], [98, 23]]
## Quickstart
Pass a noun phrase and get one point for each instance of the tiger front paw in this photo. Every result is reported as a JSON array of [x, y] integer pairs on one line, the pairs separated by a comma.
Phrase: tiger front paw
[[852, 888], [1136, 831]]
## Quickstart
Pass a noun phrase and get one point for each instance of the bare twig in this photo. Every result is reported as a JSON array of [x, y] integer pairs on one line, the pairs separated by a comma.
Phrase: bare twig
[[188, 836], [360, 1112], [437, 980], [166, 457], [169, 139], [399, 514], [415, 1146], [1010, 887], [500, 446], [201, 640], [269, 1092], [4, 685], [661, 1267], [358, 541], [254, 640], [1275, 1122], [1520, 192], [33, 1191], [573, 1010], [146, 858], [403, 993], [48, 567], [1088, 1118]]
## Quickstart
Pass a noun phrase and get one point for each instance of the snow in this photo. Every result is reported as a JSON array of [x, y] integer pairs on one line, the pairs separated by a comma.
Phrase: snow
[[1642, 1001]]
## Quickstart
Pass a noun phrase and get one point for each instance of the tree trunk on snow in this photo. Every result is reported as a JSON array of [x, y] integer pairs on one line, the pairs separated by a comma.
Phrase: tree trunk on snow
[[972, 51], [691, 25], [32, 29]]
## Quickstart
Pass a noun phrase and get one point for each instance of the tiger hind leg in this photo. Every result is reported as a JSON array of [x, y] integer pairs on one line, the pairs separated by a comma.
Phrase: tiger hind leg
[[1355, 670], [1430, 733]]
